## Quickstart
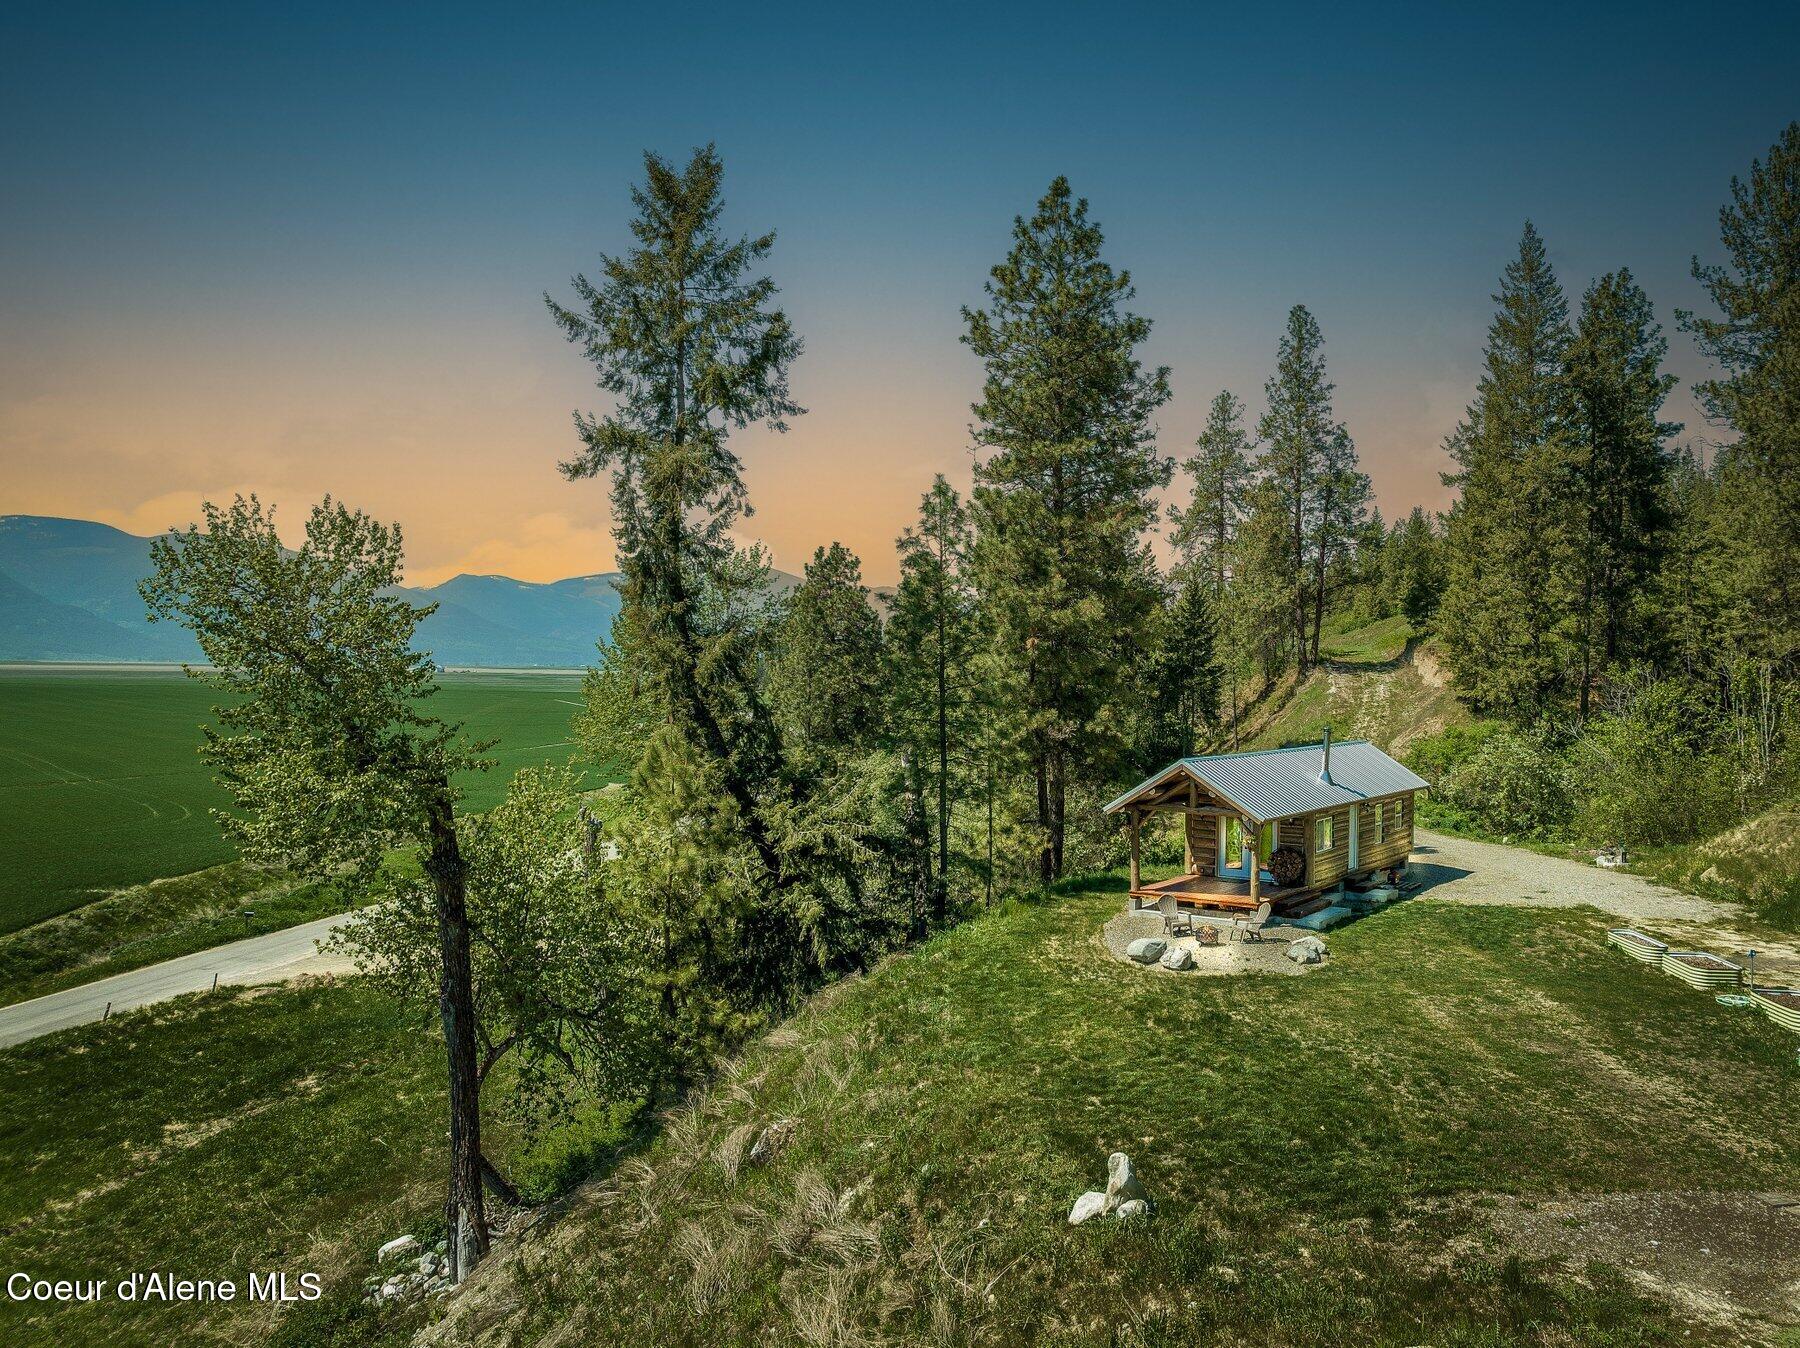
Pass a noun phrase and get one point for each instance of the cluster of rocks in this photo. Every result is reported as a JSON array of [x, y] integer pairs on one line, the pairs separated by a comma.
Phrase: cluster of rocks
[[409, 1271], [1124, 1196], [1155, 950], [1306, 950]]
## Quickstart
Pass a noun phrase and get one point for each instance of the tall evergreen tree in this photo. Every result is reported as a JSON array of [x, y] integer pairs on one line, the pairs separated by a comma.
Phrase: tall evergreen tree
[[1413, 567], [1066, 490], [1300, 436], [1622, 463], [1756, 341], [933, 643], [1258, 622], [689, 344], [1509, 615], [1341, 509], [1220, 469]]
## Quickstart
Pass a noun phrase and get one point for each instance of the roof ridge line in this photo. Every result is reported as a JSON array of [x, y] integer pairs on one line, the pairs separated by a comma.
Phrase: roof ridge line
[[1280, 749]]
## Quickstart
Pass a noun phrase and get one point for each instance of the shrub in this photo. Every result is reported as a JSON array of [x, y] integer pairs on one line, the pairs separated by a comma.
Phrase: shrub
[[1493, 779], [1646, 773]]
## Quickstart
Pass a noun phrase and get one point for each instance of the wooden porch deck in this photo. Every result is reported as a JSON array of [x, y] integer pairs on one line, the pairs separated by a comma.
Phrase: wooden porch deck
[[1209, 891]]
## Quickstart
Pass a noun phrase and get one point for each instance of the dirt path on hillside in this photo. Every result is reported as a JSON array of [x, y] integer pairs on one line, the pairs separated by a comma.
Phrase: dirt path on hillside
[[1465, 871]]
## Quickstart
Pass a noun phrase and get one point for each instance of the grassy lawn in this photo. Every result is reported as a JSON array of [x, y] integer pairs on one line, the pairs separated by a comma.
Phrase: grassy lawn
[[1372, 644], [101, 787], [1327, 1152], [278, 1130]]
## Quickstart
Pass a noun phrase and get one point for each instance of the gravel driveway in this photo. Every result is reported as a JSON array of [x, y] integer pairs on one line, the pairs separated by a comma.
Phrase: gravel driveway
[[1464, 871]]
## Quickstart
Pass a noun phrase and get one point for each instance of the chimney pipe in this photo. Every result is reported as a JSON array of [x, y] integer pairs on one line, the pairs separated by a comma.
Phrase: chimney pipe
[[1325, 757]]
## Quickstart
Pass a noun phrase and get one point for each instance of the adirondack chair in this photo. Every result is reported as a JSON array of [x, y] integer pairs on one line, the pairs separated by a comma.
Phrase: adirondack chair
[[1175, 922], [1251, 929]]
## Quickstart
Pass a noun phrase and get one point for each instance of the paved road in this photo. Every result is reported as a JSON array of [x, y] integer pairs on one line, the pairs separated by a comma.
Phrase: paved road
[[271, 958]]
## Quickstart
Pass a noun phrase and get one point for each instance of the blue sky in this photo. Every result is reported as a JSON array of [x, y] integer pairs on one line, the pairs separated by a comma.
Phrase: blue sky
[[248, 246]]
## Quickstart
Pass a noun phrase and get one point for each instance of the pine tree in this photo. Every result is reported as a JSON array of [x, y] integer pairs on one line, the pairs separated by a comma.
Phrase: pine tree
[[1622, 463], [826, 684], [1509, 615], [1258, 622], [1342, 497], [1066, 490], [1220, 468], [1756, 341], [1413, 567], [933, 643], [1300, 466]]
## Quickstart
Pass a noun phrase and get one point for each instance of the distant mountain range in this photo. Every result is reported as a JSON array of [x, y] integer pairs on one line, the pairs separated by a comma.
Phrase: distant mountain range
[[68, 591]]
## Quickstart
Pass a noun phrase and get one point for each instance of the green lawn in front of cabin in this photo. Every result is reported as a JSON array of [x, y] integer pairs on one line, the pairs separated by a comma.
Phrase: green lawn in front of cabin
[[1326, 1151]]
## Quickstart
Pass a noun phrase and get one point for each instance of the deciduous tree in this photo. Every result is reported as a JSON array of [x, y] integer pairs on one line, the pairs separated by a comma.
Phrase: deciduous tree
[[326, 746]]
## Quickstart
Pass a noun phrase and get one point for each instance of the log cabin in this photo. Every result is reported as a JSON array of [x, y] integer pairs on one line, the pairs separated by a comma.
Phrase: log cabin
[[1283, 825]]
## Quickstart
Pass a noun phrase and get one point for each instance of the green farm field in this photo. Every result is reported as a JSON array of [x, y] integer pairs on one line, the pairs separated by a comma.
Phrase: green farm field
[[101, 785]]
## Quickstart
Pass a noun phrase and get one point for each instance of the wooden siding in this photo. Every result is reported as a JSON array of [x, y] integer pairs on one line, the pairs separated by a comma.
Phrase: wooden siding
[[1203, 839], [1395, 829], [1327, 868]]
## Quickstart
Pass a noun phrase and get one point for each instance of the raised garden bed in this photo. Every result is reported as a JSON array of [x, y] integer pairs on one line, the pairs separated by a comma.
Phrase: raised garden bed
[[1637, 945], [1698, 969], [1781, 1005]]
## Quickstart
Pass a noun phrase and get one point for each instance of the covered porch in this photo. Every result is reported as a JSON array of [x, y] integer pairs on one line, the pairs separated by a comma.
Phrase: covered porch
[[1209, 893], [1227, 853]]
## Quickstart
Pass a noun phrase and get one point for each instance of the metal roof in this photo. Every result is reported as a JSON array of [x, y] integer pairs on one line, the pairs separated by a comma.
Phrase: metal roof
[[1275, 783]]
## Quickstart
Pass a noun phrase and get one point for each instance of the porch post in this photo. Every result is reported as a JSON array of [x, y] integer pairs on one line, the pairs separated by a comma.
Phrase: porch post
[[1135, 878], [1255, 864]]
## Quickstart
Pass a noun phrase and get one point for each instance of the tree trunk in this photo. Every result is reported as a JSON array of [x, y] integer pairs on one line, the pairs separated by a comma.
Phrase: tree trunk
[[463, 1214], [1058, 813], [940, 897], [498, 1185], [1047, 852], [990, 829]]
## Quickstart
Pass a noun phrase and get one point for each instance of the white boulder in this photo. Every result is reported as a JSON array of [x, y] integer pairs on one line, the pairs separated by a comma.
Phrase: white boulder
[[1122, 1183], [1147, 949], [1178, 958], [397, 1248], [1090, 1204], [1306, 950], [1132, 1207]]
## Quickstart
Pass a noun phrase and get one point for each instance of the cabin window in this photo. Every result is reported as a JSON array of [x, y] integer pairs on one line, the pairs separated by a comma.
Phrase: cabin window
[[1327, 834], [1234, 841], [1266, 848], [1380, 823], [1399, 814]]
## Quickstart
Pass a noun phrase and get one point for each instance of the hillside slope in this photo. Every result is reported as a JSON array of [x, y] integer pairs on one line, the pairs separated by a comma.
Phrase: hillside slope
[[1336, 1158], [1381, 683]]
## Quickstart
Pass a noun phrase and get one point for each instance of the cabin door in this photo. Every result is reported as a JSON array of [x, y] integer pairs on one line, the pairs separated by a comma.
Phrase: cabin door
[[1234, 849]]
